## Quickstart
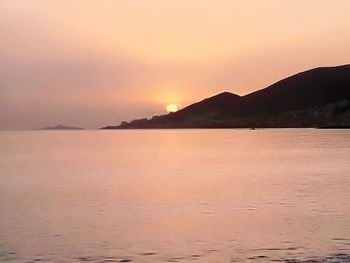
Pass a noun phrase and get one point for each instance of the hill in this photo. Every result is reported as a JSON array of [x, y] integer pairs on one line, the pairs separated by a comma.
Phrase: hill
[[314, 98]]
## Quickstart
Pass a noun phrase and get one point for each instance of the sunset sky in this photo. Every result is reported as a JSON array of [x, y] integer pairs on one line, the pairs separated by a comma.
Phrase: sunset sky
[[91, 63]]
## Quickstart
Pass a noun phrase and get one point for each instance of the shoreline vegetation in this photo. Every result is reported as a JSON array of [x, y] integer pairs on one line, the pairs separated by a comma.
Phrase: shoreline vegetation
[[317, 98]]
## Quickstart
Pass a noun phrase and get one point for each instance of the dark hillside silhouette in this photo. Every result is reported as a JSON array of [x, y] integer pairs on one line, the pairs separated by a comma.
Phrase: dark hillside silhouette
[[317, 97], [307, 89]]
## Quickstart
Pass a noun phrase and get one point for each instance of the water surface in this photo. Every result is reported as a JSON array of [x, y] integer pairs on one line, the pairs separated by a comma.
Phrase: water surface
[[174, 195]]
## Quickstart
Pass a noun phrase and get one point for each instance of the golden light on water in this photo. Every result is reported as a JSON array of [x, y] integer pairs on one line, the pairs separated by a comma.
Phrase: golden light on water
[[171, 108]]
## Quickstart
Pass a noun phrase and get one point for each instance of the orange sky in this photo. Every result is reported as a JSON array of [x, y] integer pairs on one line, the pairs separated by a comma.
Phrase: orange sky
[[90, 63]]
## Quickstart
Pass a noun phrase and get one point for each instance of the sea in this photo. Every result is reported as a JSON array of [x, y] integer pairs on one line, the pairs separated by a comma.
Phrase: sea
[[177, 195]]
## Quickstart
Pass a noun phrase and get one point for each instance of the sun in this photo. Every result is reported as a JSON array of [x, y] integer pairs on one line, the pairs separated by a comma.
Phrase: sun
[[171, 108]]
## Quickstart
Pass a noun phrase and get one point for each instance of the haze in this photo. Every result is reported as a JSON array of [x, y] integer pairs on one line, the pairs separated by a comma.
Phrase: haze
[[92, 63]]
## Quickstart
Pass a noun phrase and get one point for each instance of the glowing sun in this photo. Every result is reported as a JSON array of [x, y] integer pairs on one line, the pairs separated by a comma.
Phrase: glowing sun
[[171, 108]]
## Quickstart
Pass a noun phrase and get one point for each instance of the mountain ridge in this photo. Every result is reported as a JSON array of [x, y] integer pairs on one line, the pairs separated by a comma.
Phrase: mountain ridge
[[312, 98]]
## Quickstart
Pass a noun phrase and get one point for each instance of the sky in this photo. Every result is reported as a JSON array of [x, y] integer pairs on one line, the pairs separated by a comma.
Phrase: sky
[[91, 63]]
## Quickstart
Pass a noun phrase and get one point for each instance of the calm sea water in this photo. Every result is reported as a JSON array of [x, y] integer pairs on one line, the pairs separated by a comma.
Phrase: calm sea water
[[174, 195]]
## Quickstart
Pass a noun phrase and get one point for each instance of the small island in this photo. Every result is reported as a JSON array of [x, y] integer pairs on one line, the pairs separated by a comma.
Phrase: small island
[[60, 127]]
